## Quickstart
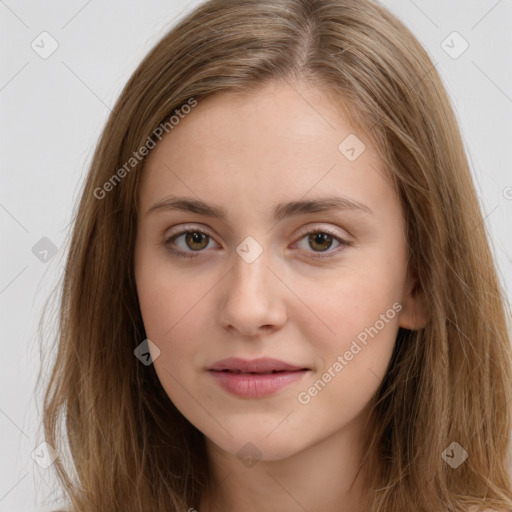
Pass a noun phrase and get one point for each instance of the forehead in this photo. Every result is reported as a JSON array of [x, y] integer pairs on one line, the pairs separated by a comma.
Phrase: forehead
[[280, 141], [279, 116]]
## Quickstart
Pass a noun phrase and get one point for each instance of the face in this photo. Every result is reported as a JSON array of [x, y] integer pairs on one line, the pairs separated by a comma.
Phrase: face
[[275, 306]]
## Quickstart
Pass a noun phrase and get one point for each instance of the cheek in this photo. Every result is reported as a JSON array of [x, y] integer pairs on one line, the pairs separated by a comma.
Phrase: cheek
[[352, 362], [353, 333], [173, 307], [340, 308]]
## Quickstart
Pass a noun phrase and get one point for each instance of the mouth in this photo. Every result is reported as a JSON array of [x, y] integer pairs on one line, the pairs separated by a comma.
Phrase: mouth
[[255, 378], [258, 373], [260, 365]]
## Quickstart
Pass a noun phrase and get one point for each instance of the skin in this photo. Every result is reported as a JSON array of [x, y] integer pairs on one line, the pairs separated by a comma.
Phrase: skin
[[247, 153]]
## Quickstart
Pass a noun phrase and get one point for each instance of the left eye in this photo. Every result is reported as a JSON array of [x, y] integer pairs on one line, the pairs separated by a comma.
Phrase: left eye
[[196, 241], [322, 240]]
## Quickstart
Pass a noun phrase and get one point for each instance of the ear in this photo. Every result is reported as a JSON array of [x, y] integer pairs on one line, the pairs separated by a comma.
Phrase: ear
[[414, 313]]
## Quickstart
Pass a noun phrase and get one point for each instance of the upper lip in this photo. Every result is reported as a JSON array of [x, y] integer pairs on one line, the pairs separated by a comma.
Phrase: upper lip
[[260, 365]]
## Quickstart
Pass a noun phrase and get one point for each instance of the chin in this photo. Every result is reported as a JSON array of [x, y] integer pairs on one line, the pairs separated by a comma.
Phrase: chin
[[254, 445]]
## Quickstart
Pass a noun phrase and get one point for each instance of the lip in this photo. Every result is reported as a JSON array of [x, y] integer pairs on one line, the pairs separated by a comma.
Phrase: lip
[[260, 365], [255, 378]]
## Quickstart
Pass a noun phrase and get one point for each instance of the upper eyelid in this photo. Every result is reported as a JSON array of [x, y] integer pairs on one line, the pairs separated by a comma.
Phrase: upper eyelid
[[183, 228]]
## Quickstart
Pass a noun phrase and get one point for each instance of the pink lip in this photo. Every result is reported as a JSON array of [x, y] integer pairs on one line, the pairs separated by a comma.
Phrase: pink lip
[[254, 378]]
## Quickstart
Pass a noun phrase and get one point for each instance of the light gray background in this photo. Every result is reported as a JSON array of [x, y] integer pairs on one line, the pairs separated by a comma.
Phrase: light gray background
[[54, 109]]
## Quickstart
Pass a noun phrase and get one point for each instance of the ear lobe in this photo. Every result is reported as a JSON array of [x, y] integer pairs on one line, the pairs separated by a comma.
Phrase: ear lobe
[[414, 314]]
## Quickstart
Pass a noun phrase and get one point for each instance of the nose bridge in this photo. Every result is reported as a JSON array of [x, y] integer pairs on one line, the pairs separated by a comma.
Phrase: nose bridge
[[252, 297], [250, 269]]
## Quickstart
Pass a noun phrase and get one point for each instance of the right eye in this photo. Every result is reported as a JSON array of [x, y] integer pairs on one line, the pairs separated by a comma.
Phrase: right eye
[[188, 241]]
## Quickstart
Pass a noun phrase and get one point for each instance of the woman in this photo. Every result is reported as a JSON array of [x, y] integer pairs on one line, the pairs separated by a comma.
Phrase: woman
[[279, 292]]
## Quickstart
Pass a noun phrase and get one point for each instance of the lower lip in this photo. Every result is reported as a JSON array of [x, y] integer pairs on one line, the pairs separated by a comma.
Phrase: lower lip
[[253, 385]]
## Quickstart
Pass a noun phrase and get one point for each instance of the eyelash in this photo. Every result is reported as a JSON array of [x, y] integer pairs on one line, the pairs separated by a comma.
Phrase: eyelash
[[320, 255]]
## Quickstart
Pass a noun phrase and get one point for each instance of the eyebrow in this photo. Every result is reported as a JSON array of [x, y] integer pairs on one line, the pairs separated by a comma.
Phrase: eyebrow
[[281, 211]]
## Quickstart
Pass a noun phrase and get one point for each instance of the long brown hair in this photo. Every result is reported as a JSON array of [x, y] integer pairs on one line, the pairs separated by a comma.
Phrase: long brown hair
[[123, 445]]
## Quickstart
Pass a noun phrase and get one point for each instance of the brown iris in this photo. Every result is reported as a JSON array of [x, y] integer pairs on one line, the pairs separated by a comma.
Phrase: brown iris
[[195, 240], [320, 239]]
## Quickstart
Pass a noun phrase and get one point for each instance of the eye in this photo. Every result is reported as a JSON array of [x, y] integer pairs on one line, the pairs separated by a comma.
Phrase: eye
[[322, 240], [194, 240]]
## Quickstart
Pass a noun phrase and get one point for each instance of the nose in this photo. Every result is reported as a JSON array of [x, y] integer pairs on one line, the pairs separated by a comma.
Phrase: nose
[[254, 298]]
